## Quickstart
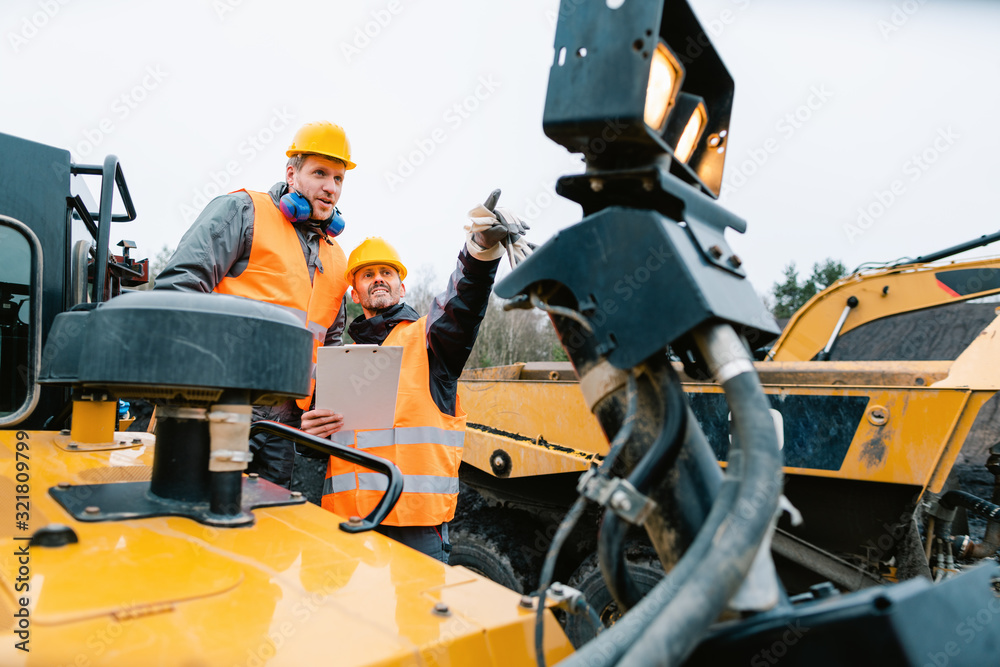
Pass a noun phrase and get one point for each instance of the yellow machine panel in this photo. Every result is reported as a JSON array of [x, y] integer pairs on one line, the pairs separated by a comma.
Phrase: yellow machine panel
[[289, 590]]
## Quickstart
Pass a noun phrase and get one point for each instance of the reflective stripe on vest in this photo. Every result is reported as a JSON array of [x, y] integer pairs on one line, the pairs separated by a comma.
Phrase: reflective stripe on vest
[[424, 443], [373, 481], [277, 273]]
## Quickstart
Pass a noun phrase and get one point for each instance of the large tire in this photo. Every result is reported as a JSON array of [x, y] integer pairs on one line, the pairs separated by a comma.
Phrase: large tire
[[482, 555], [645, 568]]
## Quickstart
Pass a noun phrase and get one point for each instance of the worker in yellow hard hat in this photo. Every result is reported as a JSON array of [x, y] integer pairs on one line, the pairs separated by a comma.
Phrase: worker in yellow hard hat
[[277, 246], [429, 425]]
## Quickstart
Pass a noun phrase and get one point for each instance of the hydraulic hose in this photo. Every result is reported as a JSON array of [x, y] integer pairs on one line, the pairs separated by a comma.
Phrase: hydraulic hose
[[569, 521], [660, 457], [669, 622], [974, 504]]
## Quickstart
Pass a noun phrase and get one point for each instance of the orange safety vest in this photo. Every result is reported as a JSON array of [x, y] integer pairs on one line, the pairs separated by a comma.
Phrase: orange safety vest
[[425, 443], [277, 274]]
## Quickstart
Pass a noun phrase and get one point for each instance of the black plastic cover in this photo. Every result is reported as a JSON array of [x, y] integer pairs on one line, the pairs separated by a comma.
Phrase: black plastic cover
[[175, 340], [642, 282], [916, 622]]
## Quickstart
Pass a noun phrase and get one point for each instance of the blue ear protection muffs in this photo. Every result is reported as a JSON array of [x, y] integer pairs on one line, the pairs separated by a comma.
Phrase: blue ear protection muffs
[[296, 208], [337, 223]]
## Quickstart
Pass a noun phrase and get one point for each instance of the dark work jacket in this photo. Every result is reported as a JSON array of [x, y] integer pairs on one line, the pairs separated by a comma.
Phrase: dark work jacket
[[452, 325]]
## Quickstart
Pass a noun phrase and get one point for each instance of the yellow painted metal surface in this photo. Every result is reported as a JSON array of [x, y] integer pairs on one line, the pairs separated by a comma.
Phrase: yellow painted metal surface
[[918, 414], [879, 293], [293, 589], [551, 410], [527, 457], [906, 449], [94, 421]]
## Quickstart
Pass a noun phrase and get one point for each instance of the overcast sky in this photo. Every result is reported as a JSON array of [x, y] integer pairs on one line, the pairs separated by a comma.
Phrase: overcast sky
[[861, 130]]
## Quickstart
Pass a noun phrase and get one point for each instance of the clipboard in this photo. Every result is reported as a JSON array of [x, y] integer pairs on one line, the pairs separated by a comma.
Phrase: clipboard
[[359, 382]]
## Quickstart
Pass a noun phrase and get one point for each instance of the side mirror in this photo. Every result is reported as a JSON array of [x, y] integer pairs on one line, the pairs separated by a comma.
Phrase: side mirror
[[20, 320]]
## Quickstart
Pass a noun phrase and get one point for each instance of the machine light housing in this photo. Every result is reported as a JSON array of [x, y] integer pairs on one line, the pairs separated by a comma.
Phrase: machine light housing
[[599, 93], [665, 76], [687, 125]]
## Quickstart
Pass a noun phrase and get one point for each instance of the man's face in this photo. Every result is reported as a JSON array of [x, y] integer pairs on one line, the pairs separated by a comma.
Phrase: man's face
[[319, 180], [377, 287]]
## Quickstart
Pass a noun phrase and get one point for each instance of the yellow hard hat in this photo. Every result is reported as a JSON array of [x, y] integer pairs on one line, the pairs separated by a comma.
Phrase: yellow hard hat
[[322, 138], [373, 250]]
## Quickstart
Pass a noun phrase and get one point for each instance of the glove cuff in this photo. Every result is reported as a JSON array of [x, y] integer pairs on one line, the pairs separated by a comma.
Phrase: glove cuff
[[481, 253]]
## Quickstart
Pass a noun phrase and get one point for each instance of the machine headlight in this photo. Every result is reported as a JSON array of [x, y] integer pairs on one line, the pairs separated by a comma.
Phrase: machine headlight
[[691, 115], [665, 74]]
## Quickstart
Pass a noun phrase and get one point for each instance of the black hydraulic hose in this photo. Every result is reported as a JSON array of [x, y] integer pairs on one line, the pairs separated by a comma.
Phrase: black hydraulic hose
[[569, 521], [974, 504], [660, 457], [724, 547], [677, 630]]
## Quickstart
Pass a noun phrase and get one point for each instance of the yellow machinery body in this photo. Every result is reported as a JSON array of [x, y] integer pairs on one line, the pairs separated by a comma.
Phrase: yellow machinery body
[[881, 294], [292, 589], [864, 441]]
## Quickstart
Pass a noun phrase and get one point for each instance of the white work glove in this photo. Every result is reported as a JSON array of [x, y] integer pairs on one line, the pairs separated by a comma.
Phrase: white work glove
[[489, 233]]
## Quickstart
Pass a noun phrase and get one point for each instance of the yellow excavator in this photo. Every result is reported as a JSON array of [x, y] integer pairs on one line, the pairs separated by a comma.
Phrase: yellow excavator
[[125, 548]]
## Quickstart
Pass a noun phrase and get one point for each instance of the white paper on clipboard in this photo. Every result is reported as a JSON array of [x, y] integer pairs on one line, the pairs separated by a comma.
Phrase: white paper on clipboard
[[359, 382]]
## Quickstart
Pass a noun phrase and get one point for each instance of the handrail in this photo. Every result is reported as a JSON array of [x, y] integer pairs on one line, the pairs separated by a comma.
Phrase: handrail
[[111, 176], [350, 455]]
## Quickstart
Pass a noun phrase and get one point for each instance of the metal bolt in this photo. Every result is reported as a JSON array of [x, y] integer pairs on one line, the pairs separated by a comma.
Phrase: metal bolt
[[92, 509], [620, 501], [441, 609], [296, 494], [63, 485], [596, 184], [497, 461], [647, 184], [65, 431], [715, 251], [136, 441], [72, 445], [527, 602], [878, 415], [253, 475], [354, 521], [556, 588], [735, 261]]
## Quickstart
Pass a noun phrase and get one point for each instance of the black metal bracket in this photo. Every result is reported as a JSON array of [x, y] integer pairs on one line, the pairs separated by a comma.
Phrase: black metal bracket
[[133, 500]]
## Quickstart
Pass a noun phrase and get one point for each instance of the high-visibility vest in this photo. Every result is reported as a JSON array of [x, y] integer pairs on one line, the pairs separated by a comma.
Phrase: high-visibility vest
[[425, 443], [277, 273]]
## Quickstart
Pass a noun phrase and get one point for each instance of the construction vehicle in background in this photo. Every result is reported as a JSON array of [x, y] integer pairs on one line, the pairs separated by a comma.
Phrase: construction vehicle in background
[[142, 548], [867, 442]]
